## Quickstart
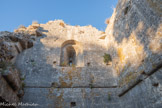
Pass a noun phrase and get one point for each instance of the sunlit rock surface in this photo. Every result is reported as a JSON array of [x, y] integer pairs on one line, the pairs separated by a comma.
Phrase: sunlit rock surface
[[134, 39]]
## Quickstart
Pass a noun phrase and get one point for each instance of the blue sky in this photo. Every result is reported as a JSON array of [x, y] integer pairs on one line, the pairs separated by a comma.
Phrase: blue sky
[[74, 12]]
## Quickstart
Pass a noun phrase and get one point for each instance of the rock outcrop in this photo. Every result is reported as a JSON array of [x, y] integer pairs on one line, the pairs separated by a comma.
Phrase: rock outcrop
[[33, 30], [11, 82]]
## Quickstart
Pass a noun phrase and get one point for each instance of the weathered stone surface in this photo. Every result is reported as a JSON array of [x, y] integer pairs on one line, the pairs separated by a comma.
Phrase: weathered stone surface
[[14, 38], [134, 38], [41, 66], [11, 44], [146, 94], [62, 97], [31, 30], [12, 76], [134, 41], [35, 25], [37, 64], [38, 33], [6, 92], [65, 67]]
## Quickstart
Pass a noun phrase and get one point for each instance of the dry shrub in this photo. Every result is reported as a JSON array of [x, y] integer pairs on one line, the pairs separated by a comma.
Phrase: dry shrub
[[21, 26], [81, 32], [107, 21], [34, 22], [102, 32], [62, 24]]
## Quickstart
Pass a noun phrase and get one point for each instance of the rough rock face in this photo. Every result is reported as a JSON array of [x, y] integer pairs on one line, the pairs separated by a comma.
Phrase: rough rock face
[[11, 86], [134, 39], [33, 29], [134, 36], [11, 44]]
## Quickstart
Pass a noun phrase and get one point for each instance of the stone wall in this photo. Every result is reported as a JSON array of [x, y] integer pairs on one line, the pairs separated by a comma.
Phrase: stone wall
[[134, 39], [57, 33], [146, 94], [50, 84]]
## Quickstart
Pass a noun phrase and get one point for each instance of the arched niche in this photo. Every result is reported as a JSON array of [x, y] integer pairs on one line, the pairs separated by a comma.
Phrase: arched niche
[[71, 53]]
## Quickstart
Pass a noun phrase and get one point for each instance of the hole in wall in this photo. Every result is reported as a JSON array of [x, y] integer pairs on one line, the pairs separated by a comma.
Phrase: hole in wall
[[54, 84], [155, 84], [54, 62], [126, 10], [69, 53], [88, 64], [143, 73], [73, 104]]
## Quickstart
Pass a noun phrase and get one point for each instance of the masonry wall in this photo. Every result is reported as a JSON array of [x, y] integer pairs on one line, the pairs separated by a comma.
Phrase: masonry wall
[[146, 94], [50, 84], [89, 45], [134, 39]]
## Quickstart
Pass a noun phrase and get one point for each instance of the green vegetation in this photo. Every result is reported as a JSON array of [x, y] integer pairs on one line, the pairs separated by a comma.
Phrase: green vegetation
[[90, 85], [109, 96], [107, 58], [22, 78], [91, 82], [33, 62], [23, 85]]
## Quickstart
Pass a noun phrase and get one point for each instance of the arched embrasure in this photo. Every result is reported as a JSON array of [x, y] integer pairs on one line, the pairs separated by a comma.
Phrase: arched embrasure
[[70, 53]]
